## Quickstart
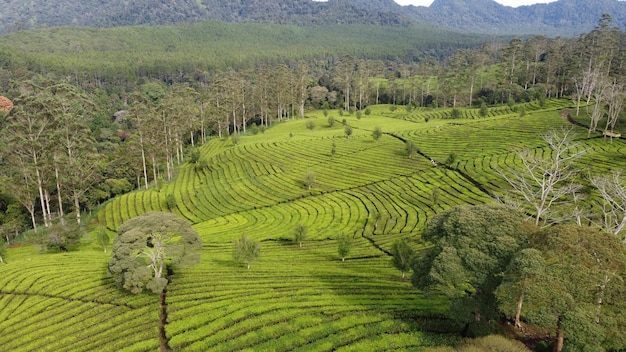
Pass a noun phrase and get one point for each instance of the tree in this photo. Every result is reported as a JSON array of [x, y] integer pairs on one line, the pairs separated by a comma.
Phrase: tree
[[299, 233], [3, 249], [544, 181], [309, 179], [310, 124], [402, 256], [579, 294], [344, 245], [411, 149], [331, 120], [146, 244], [519, 278], [246, 249], [377, 133], [612, 188], [62, 238], [102, 238], [471, 247], [348, 131]]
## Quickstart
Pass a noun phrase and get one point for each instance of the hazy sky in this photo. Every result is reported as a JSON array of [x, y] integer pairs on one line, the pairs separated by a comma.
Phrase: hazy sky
[[513, 3]]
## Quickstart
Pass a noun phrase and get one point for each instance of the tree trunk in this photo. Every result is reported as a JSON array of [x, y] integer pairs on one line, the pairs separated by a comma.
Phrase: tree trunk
[[518, 311], [77, 208], [560, 337]]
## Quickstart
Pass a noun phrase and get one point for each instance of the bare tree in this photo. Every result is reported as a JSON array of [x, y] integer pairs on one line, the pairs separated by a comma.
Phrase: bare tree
[[544, 179], [612, 188], [600, 96], [615, 97]]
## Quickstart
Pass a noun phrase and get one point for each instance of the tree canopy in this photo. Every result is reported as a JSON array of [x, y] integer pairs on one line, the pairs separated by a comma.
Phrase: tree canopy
[[146, 244]]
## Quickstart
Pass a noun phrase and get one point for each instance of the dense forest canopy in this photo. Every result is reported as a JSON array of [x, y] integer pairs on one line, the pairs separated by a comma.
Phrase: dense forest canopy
[[558, 18]]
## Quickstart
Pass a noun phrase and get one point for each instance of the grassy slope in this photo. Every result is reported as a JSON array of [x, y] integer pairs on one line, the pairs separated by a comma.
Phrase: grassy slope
[[293, 298]]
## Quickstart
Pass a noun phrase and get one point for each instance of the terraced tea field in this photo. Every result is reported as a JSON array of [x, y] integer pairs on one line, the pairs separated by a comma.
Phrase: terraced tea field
[[293, 298]]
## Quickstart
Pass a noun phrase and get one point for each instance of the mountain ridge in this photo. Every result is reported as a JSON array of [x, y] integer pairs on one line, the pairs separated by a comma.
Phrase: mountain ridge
[[560, 18]]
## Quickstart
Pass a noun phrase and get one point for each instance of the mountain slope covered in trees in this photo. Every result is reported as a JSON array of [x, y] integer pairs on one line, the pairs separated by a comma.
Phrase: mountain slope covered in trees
[[563, 17]]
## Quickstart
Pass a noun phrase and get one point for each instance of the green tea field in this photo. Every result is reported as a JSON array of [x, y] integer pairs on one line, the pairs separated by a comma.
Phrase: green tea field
[[293, 298]]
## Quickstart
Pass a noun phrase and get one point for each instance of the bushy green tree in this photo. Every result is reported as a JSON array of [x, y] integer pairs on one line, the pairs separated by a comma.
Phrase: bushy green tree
[[146, 244], [377, 133], [410, 148], [309, 179], [344, 245], [299, 233], [348, 131], [62, 238], [246, 249], [402, 256], [331, 121], [471, 247], [310, 124]]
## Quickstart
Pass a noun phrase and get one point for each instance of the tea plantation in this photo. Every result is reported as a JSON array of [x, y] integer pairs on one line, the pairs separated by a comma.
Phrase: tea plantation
[[292, 298]]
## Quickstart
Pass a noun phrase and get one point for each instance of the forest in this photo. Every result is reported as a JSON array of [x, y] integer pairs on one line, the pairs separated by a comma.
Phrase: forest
[[238, 141]]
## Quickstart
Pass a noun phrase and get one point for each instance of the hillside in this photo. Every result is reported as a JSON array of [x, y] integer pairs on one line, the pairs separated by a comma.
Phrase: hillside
[[563, 17], [292, 298]]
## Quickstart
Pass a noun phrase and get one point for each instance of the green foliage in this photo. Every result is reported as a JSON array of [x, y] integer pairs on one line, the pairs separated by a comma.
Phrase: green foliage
[[254, 129], [377, 133], [451, 159], [368, 111], [410, 148], [359, 114], [491, 343], [309, 179], [333, 149], [246, 249], [348, 131], [310, 124], [171, 202], [62, 238], [435, 193], [194, 156], [402, 256], [484, 111], [455, 113], [393, 108], [146, 244], [235, 138], [102, 238], [344, 245], [3, 251], [471, 246], [299, 233]]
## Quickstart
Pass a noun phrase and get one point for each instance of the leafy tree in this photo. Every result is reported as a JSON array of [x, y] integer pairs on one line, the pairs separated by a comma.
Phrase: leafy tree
[[310, 124], [146, 244], [519, 278], [471, 246], [410, 148], [299, 233], [246, 249], [451, 158], [309, 179], [333, 149], [377, 133], [62, 238], [344, 245], [402, 256], [235, 138], [579, 294], [331, 120], [348, 131], [102, 238], [483, 109], [3, 249], [434, 196]]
